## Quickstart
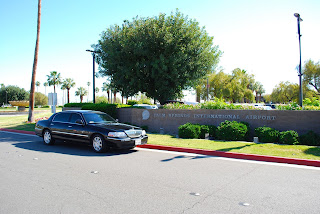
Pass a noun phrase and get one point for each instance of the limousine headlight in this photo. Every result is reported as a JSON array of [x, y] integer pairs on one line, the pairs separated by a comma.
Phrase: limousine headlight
[[117, 134]]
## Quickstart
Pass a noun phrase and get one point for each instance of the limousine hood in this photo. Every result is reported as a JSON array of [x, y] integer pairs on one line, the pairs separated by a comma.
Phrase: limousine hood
[[116, 126]]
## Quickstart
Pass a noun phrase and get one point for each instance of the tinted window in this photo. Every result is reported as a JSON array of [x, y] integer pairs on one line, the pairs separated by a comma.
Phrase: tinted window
[[98, 118], [62, 117], [75, 117]]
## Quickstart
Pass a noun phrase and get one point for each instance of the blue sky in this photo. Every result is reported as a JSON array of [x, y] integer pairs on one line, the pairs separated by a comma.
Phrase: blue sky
[[257, 36]]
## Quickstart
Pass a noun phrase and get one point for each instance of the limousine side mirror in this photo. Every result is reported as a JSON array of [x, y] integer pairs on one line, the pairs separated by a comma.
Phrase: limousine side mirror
[[79, 122]]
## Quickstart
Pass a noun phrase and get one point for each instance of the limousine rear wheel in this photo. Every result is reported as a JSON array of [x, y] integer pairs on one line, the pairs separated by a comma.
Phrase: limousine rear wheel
[[98, 143], [47, 137]]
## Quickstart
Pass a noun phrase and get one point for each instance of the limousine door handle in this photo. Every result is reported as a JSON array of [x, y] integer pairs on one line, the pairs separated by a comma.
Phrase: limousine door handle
[[69, 126]]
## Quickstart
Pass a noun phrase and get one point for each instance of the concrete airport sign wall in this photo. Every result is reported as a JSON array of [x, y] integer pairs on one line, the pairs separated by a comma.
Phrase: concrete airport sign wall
[[168, 120]]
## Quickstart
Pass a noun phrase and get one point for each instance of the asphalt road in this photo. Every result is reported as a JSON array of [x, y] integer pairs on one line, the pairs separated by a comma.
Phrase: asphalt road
[[70, 178]]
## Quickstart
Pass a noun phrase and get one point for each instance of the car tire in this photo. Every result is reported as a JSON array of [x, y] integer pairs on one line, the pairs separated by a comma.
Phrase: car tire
[[47, 137], [98, 143]]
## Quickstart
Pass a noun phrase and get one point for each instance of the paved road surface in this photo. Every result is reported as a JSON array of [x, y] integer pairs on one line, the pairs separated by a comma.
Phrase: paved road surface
[[69, 178]]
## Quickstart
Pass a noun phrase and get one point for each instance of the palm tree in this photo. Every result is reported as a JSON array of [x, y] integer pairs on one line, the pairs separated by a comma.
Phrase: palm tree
[[259, 90], [45, 87], [81, 92], [37, 84], [34, 69], [68, 83], [54, 79], [106, 87]]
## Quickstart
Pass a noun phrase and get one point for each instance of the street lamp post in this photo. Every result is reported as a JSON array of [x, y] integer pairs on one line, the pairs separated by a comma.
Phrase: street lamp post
[[93, 82], [297, 15]]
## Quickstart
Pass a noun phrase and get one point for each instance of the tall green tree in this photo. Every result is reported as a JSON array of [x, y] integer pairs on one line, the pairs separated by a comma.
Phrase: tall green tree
[[54, 79], [311, 75], [285, 92], [160, 55], [34, 69], [68, 83], [81, 92], [242, 85], [258, 88]]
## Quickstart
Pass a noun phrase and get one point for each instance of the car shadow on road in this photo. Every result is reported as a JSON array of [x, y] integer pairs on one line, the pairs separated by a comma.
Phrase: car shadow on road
[[68, 148], [60, 147]]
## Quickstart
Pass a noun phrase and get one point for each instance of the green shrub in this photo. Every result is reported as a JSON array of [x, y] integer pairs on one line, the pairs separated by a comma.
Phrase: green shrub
[[267, 134], [110, 109], [203, 130], [180, 106], [75, 104], [189, 130], [248, 132], [290, 106], [146, 128], [212, 130], [289, 137], [101, 99], [122, 105], [310, 139], [232, 130], [132, 102]]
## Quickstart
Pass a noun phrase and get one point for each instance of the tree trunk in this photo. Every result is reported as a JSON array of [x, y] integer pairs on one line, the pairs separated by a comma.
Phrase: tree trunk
[[68, 95], [108, 92], [34, 69], [114, 97]]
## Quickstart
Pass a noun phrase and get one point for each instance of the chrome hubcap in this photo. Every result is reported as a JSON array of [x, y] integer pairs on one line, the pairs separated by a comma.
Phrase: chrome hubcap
[[47, 137], [97, 143]]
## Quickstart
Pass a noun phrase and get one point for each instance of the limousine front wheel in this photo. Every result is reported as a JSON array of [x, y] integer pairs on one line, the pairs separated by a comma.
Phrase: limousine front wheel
[[98, 143]]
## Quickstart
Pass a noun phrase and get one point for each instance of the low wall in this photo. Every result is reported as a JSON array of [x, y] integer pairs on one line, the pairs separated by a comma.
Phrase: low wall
[[168, 120]]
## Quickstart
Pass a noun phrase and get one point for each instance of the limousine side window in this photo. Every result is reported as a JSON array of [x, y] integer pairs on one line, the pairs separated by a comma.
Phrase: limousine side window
[[62, 117], [74, 118]]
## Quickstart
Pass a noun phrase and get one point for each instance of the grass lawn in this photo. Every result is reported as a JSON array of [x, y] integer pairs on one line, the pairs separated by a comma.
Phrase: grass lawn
[[8, 109], [270, 149], [291, 151]]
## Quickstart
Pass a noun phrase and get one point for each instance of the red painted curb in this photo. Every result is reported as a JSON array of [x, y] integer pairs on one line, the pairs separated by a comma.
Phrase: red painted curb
[[215, 153], [236, 155], [18, 131]]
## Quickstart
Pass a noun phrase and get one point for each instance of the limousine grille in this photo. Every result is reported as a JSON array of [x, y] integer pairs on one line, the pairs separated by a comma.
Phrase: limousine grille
[[134, 133]]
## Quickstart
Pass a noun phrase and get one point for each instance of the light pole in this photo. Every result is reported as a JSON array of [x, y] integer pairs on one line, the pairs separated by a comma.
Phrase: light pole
[[93, 82], [297, 15]]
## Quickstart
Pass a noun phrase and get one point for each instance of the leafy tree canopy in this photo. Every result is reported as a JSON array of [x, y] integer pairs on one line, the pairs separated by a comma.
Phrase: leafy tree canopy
[[40, 99], [311, 75], [286, 92], [236, 87], [12, 93], [160, 56]]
